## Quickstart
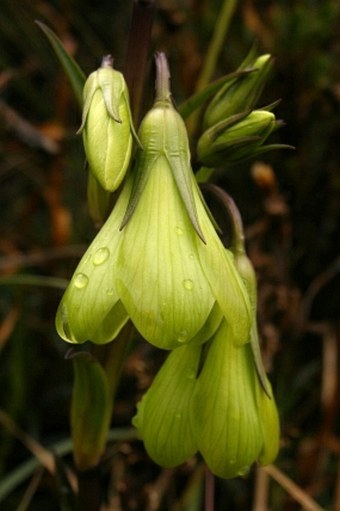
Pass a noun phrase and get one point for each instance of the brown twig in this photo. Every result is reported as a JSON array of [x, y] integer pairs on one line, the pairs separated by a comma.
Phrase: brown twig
[[295, 491]]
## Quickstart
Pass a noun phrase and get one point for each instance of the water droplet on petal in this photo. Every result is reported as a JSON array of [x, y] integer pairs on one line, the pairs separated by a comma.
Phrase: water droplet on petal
[[178, 416], [191, 375], [101, 256], [81, 280], [188, 284], [191, 256], [182, 336], [179, 231], [243, 471], [110, 291]]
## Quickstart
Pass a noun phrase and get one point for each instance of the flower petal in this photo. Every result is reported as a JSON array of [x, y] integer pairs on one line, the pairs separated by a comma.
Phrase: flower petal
[[226, 423], [160, 280], [163, 417], [91, 302], [226, 284]]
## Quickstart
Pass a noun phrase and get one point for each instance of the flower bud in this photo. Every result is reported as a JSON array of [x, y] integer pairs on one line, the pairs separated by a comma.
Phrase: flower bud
[[230, 141], [107, 125], [164, 414], [241, 95]]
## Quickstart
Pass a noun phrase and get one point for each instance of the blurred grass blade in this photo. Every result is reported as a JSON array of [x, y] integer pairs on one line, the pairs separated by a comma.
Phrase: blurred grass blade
[[26, 279], [197, 100], [22, 472], [71, 68]]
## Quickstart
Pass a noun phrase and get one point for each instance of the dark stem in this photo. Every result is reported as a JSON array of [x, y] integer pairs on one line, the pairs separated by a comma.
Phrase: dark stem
[[138, 52], [89, 490]]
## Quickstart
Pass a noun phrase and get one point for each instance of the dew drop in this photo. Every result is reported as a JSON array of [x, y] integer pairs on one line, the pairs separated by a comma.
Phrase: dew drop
[[110, 291], [232, 461], [179, 231], [243, 471], [188, 284], [191, 256], [101, 256], [182, 336], [191, 375], [178, 416], [81, 280]]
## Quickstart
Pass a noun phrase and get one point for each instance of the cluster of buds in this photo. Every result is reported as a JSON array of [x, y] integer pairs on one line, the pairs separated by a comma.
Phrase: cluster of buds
[[159, 262], [234, 131]]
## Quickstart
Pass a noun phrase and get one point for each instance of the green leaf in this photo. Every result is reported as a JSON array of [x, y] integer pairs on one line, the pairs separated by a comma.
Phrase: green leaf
[[72, 69], [91, 410]]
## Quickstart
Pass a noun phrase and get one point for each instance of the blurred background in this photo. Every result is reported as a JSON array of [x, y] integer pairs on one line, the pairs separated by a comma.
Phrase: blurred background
[[289, 202]]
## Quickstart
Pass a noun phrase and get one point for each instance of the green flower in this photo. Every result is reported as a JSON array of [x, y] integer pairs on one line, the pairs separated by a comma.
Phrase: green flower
[[220, 410], [107, 126], [235, 423]]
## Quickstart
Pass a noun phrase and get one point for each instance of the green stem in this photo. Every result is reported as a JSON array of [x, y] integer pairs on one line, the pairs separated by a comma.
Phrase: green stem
[[217, 41]]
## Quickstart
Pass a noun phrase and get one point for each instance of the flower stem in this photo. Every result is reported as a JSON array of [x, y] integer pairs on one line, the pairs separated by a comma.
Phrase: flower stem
[[217, 41], [162, 78]]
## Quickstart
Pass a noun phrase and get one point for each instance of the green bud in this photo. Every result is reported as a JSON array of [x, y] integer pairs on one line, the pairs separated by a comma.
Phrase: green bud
[[234, 140], [164, 414], [107, 125], [241, 95], [226, 422], [91, 410]]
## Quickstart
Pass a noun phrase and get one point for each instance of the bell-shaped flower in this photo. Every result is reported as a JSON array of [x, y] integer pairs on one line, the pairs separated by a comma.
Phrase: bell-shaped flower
[[163, 416], [107, 126]]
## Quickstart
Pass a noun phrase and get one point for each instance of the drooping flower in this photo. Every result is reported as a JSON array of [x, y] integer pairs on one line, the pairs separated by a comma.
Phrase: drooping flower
[[230, 428]]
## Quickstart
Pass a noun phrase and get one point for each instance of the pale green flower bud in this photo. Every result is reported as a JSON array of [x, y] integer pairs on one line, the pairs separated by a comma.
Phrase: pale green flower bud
[[226, 420], [241, 95], [235, 140], [107, 127], [164, 414]]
